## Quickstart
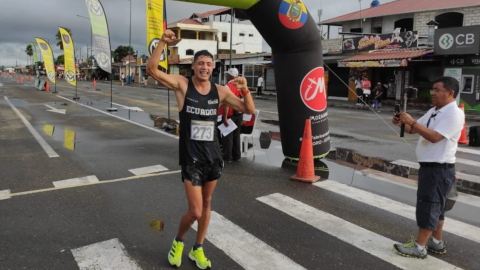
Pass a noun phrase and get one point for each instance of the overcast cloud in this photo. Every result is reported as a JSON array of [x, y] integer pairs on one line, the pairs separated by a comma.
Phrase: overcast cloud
[[23, 20]]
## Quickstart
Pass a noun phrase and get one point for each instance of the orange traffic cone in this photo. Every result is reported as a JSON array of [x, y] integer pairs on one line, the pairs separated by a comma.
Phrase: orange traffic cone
[[20, 80], [94, 83], [47, 88], [463, 137], [306, 169]]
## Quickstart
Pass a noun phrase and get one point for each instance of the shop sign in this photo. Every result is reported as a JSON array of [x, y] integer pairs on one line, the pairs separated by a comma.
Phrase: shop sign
[[457, 40], [462, 61], [381, 63], [396, 40]]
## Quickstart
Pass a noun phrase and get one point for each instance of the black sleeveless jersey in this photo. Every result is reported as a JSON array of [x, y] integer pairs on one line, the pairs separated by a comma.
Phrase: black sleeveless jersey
[[198, 123]]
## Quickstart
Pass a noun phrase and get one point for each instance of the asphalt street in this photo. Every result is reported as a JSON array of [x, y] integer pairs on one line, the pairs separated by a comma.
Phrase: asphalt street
[[83, 188]]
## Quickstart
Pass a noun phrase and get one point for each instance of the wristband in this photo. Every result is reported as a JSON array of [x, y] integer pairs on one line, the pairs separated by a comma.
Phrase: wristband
[[411, 127], [246, 92]]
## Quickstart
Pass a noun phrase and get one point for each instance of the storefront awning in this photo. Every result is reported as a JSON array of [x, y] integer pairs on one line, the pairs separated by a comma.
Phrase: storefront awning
[[384, 58]]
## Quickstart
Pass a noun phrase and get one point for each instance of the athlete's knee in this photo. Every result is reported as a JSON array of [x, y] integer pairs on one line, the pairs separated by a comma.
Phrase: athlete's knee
[[207, 201], [195, 213]]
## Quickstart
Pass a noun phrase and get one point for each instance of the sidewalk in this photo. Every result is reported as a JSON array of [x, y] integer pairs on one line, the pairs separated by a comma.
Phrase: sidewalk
[[389, 105]]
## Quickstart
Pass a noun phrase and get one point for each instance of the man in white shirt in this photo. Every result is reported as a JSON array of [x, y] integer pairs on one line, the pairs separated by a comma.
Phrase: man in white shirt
[[259, 86], [439, 131]]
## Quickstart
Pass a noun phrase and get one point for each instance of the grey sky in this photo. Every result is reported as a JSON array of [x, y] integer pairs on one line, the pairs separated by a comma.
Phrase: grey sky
[[23, 20]]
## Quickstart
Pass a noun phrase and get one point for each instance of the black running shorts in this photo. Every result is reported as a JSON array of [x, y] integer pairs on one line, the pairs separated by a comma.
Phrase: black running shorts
[[199, 174]]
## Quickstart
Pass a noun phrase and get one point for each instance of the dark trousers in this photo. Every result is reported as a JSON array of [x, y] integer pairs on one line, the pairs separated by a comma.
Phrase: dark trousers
[[259, 91], [231, 142]]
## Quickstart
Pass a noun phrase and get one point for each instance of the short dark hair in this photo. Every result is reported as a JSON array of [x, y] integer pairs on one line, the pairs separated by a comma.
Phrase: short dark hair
[[202, 53], [449, 83]]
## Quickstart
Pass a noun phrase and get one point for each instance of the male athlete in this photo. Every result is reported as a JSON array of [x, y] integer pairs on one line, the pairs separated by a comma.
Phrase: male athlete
[[200, 157]]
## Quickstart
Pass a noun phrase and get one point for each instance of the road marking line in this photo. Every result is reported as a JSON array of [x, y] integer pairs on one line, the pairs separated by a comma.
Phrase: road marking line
[[50, 152], [363, 239], [149, 169], [110, 254], [76, 181], [412, 184], [244, 248], [126, 120], [459, 228], [95, 183], [468, 150], [55, 110], [5, 194], [460, 175], [128, 108], [270, 112], [468, 177], [468, 162]]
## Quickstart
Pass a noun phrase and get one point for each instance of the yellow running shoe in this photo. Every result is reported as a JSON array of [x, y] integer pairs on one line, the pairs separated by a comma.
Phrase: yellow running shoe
[[199, 257], [175, 254]]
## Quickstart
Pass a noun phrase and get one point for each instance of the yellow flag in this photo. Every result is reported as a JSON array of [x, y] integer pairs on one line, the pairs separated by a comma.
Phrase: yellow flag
[[156, 25], [47, 58], [69, 56]]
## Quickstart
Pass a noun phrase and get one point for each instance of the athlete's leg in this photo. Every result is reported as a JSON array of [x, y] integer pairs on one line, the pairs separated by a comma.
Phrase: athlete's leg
[[207, 192], [194, 196]]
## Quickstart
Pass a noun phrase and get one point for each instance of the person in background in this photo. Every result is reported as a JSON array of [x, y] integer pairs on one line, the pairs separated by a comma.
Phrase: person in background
[[122, 79], [259, 86], [379, 93], [358, 88], [231, 142], [366, 86], [247, 126]]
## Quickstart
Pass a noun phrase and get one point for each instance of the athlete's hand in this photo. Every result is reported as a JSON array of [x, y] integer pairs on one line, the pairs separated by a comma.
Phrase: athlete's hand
[[225, 121], [168, 36], [240, 83]]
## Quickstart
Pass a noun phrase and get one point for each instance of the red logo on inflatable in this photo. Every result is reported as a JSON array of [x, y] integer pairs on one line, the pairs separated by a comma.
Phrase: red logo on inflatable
[[313, 91]]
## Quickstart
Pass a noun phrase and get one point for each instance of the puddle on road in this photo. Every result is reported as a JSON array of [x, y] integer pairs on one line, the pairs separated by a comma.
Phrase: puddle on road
[[67, 136]]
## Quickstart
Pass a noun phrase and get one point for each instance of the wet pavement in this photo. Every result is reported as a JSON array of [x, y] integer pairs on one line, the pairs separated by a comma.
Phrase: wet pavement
[[42, 224]]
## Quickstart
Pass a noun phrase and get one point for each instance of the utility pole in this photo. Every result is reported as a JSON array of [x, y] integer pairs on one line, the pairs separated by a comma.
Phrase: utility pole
[[130, 42], [231, 36], [361, 21]]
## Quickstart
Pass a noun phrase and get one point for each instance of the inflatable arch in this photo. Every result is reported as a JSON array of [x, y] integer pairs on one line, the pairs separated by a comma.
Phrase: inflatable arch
[[292, 34]]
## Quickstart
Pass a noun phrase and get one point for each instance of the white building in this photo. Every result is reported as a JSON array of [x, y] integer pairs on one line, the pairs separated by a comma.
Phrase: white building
[[211, 31]]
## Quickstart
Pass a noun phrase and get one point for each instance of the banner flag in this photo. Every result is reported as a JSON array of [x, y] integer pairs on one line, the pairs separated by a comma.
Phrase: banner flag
[[156, 25], [69, 56], [47, 58], [35, 58], [101, 38]]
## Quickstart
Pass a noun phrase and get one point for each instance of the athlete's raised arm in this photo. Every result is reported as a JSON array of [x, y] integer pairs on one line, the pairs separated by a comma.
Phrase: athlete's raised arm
[[175, 82], [228, 98]]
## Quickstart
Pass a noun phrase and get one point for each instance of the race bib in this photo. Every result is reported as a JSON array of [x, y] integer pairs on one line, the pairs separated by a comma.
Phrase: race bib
[[202, 131]]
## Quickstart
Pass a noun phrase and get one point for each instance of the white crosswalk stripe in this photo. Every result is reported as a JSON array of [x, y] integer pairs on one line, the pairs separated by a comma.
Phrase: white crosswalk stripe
[[468, 150], [244, 248], [460, 175], [149, 169], [76, 181], [412, 184], [107, 255], [370, 242], [452, 226]]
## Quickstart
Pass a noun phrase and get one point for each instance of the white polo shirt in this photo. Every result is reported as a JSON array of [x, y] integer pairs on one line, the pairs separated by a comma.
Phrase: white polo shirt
[[448, 121]]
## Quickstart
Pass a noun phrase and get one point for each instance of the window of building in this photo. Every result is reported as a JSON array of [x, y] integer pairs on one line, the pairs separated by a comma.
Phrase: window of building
[[376, 30], [242, 34], [355, 30], [450, 19], [224, 36], [250, 35], [404, 24], [189, 52]]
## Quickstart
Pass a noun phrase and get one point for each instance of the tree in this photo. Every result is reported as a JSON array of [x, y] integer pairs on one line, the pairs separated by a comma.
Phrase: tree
[[58, 37], [60, 60], [122, 51], [29, 50]]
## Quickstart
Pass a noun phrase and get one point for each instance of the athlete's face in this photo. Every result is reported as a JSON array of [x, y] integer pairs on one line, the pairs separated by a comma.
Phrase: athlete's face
[[203, 67]]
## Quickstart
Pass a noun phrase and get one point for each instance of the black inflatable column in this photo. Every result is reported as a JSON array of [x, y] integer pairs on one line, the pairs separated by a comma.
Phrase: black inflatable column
[[299, 74]]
